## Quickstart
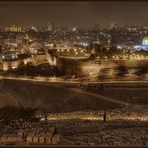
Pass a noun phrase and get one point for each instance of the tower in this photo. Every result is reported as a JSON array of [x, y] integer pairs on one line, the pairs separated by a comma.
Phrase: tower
[[50, 27]]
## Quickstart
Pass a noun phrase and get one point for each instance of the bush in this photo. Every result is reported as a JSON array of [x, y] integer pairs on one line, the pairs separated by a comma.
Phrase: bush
[[121, 70], [142, 69], [11, 113], [104, 74]]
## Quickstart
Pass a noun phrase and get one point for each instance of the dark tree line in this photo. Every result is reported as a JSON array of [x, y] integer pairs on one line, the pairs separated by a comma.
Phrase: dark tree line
[[9, 114]]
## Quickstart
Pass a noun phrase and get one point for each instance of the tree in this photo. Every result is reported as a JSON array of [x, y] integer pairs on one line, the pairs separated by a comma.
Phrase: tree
[[104, 116]]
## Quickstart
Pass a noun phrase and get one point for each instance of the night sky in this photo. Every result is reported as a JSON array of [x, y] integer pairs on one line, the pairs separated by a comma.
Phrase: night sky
[[73, 14]]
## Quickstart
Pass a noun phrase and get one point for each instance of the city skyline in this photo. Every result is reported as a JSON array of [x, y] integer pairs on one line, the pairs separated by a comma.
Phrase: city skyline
[[73, 14], [73, 74]]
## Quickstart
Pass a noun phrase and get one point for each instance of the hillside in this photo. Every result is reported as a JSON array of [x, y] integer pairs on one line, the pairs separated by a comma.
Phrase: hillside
[[49, 97]]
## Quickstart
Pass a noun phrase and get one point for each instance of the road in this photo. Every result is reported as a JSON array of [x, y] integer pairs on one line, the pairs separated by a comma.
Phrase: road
[[55, 80], [76, 90]]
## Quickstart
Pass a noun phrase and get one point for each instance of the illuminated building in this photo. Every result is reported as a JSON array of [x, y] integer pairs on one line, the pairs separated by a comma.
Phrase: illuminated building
[[144, 45], [145, 41], [50, 27], [9, 56], [14, 29], [113, 25]]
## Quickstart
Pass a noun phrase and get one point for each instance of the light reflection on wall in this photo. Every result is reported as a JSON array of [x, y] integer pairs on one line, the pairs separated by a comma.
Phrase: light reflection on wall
[[90, 68]]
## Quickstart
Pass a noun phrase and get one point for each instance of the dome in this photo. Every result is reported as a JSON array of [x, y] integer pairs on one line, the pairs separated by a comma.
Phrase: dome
[[145, 41]]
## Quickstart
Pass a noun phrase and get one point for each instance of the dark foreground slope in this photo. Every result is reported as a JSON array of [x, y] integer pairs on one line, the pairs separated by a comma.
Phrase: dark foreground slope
[[49, 97]]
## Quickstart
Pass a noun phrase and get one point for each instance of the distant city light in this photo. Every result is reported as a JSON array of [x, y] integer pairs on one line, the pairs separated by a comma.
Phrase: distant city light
[[119, 47], [74, 29]]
